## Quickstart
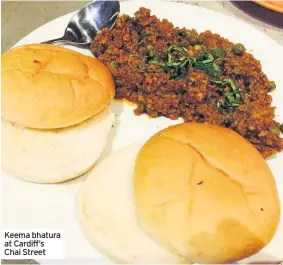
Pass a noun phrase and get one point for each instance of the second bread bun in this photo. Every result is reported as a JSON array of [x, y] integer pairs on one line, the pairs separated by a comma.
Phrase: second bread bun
[[205, 193], [108, 216], [45, 86]]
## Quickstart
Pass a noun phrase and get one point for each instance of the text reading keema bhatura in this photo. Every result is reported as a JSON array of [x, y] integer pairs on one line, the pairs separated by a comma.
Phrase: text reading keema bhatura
[[32, 244]]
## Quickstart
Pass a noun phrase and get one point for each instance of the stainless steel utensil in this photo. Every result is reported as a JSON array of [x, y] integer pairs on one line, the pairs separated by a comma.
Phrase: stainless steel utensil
[[87, 22]]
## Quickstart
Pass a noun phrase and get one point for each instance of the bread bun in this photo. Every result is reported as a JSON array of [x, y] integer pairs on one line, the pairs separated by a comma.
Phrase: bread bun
[[205, 193], [46, 86], [108, 216], [52, 156]]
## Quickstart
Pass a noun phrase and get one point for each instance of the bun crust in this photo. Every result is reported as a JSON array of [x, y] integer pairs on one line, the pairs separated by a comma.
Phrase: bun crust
[[46, 86], [205, 193]]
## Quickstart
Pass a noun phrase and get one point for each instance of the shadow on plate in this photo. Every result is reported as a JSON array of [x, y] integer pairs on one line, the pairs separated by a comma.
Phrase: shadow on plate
[[117, 107], [260, 13], [261, 258]]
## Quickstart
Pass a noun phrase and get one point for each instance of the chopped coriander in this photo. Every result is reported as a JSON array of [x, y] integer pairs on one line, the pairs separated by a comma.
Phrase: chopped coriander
[[217, 82], [153, 62], [142, 36], [281, 127], [205, 58], [229, 81], [150, 50], [224, 82], [176, 62], [206, 63], [140, 68], [151, 53], [216, 69], [175, 48], [236, 74], [185, 49], [210, 68], [169, 59], [221, 108], [185, 61], [232, 98]]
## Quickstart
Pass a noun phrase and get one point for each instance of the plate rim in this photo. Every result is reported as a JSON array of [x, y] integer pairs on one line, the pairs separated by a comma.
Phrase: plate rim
[[166, 2]]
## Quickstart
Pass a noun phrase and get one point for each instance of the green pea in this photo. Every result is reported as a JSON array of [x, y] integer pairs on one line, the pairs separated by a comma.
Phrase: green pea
[[197, 47], [113, 64], [275, 131], [238, 49], [149, 47], [272, 86]]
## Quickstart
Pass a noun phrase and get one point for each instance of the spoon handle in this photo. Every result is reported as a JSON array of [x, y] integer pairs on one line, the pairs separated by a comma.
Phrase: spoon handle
[[58, 40], [63, 41]]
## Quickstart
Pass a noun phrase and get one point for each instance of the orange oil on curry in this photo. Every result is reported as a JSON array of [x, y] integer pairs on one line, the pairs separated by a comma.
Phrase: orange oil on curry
[[131, 104]]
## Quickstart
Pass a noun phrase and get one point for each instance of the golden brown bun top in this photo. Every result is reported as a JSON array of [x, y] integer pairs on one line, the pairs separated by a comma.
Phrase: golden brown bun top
[[46, 86], [206, 193]]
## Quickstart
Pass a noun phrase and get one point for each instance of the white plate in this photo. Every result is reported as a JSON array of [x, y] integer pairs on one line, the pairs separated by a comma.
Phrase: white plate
[[32, 206]]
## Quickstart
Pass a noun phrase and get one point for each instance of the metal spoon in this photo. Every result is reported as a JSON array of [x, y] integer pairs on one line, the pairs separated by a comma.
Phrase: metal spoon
[[87, 22]]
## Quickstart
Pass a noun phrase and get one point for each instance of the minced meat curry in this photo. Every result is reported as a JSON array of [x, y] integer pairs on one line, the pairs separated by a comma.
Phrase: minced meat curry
[[176, 72]]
